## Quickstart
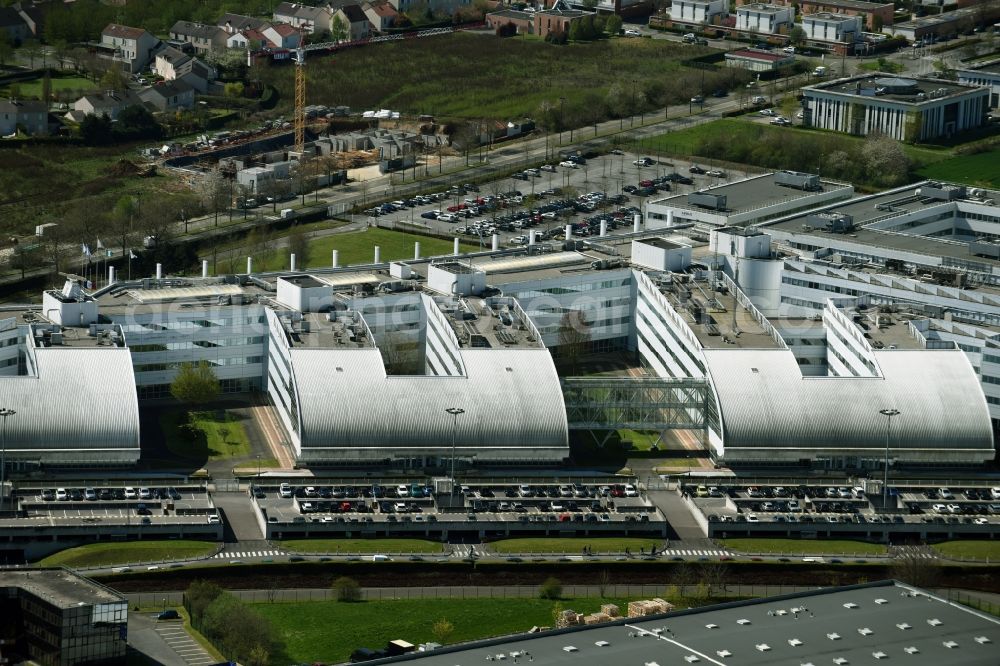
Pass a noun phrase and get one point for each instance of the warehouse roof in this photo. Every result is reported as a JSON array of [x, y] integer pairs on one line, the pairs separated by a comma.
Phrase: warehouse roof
[[766, 402], [60, 587], [848, 625]]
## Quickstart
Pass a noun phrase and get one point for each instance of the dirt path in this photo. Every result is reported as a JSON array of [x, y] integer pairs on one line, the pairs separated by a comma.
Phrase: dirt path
[[268, 424]]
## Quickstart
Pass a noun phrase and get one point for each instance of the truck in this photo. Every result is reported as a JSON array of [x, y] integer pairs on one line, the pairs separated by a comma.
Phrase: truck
[[287, 213]]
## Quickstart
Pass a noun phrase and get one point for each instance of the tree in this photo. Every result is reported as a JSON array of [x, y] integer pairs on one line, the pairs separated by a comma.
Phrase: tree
[[442, 630], [213, 191], [6, 48], [339, 30], [918, 571], [347, 589], [574, 337], [298, 244], [884, 160], [122, 221], [197, 598], [135, 122], [195, 384], [32, 49], [551, 588], [797, 35], [259, 656], [114, 79], [95, 130], [613, 24]]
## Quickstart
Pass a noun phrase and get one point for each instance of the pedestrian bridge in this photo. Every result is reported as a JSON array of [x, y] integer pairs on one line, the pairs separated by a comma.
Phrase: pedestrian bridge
[[637, 403]]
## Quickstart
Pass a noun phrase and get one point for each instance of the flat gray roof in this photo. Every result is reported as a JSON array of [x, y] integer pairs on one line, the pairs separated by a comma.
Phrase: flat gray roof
[[822, 627], [865, 210], [865, 85], [848, 4], [59, 587], [748, 194]]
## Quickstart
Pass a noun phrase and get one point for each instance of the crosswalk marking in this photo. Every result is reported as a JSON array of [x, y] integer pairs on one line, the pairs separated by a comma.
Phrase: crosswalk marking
[[228, 555]]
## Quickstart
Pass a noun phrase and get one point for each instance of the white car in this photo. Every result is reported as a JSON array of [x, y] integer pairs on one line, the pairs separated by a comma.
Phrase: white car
[[214, 519], [995, 492], [752, 518], [129, 493], [766, 112], [981, 521], [61, 494], [758, 99], [90, 494], [403, 490], [630, 491], [548, 167], [285, 490], [567, 164], [633, 33], [939, 508], [790, 50]]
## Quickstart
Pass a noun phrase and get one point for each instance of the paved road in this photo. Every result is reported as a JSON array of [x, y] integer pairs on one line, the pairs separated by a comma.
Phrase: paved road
[[160, 642], [240, 516]]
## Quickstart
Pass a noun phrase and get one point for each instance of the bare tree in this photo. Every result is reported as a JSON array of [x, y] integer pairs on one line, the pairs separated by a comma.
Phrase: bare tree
[[574, 338], [917, 571]]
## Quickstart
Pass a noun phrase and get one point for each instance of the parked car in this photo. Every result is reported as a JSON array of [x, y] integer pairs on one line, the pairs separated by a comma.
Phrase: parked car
[[169, 614]]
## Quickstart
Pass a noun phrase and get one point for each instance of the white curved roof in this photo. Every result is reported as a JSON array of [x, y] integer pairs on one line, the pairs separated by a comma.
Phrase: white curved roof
[[766, 403], [82, 400], [511, 397]]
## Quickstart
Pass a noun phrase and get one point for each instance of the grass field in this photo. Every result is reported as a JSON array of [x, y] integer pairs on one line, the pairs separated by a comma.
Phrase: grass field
[[207, 435], [804, 546], [642, 440], [979, 169], [306, 627], [105, 554], [358, 247], [574, 546], [385, 546], [33, 89], [481, 76], [979, 550]]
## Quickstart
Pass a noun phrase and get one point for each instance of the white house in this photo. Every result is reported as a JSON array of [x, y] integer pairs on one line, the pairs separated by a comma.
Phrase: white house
[[310, 19], [172, 64], [282, 36], [355, 19], [764, 18], [32, 117], [168, 96], [697, 11], [204, 37], [830, 27], [134, 48], [109, 103]]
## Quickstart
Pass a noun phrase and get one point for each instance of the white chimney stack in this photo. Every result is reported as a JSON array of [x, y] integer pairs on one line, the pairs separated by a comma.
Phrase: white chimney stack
[[456, 251], [335, 258], [204, 268], [378, 255], [416, 250], [159, 271], [292, 261]]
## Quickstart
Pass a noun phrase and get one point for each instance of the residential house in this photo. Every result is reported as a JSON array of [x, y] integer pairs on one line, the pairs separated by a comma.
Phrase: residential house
[[355, 19], [282, 36], [697, 11], [874, 14], [758, 60], [13, 25], [168, 96], [30, 116], [172, 64], [381, 14], [764, 19], [33, 13], [310, 19], [828, 27], [556, 20], [442, 7], [248, 38], [205, 38], [523, 22], [234, 23], [134, 48], [108, 103]]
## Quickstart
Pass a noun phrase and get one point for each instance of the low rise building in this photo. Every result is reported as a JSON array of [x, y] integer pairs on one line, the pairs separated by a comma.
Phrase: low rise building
[[932, 27], [234, 23], [764, 18], [17, 115], [381, 14], [311, 20], [875, 15], [983, 74], [203, 37], [556, 20], [168, 96], [902, 108], [13, 26], [132, 48], [172, 64], [356, 21], [109, 103], [698, 11], [758, 60], [282, 35], [830, 27]]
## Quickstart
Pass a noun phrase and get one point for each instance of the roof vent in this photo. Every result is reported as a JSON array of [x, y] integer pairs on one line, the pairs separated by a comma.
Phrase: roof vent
[[982, 640], [724, 653], [911, 650], [850, 604], [950, 644], [339, 369], [572, 648], [881, 602], [865, 631], [833, 636], [692, 659], [762, 647], [880, 655], [840, 661], [934, 622], [711, 626], [743, 621], [602, 644], [904, 626], [794, 642]]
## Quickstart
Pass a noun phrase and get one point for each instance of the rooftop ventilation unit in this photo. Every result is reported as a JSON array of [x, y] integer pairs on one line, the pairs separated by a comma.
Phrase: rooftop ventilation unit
[[942, 192], [707, 200], [797, 180], [835, 223]]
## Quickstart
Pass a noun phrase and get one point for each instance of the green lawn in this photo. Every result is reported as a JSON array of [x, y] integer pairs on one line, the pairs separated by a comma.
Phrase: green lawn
[[33, 89], [978, 550], [207, 435], [642, 440], [574, 546], [361, 546], [979, 169], [105, 554], [809, 546], [358, 247], [306, 627]]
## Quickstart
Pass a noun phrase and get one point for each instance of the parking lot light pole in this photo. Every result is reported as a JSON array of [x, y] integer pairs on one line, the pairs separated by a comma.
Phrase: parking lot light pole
[[562, 118], [4, 413], [454, 411], [888, 414]]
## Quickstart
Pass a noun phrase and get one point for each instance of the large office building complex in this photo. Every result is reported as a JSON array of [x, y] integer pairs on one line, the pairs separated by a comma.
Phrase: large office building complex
[[902, 108]]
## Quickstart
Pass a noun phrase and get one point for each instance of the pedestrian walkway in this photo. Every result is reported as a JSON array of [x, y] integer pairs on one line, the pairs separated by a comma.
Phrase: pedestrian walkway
[[173, 634], [695, 553], [234, 555], [917, 552]]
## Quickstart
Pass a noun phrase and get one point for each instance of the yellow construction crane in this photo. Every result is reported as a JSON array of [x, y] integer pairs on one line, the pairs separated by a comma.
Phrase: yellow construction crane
[[300, 94]]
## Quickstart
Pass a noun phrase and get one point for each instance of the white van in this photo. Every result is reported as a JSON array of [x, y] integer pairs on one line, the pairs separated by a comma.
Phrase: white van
[[819, 71], [381, 558]]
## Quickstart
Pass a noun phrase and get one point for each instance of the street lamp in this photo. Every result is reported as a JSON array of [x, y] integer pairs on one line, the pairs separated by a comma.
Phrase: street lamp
[[888, 414], [258, 465], [454, 411], [4, 413], [562, 118]]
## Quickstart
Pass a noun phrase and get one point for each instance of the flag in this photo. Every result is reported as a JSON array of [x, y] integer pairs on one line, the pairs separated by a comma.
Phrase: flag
[[100, 245], [86, 250], [131, 255]]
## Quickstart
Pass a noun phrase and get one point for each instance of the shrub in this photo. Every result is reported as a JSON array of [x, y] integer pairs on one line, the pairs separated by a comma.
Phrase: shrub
[[347, 589], [550, 589]]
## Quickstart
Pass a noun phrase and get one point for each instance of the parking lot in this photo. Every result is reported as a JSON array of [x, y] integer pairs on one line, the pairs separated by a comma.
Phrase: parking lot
[[581, 191], [846, 508], [417, 508]]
